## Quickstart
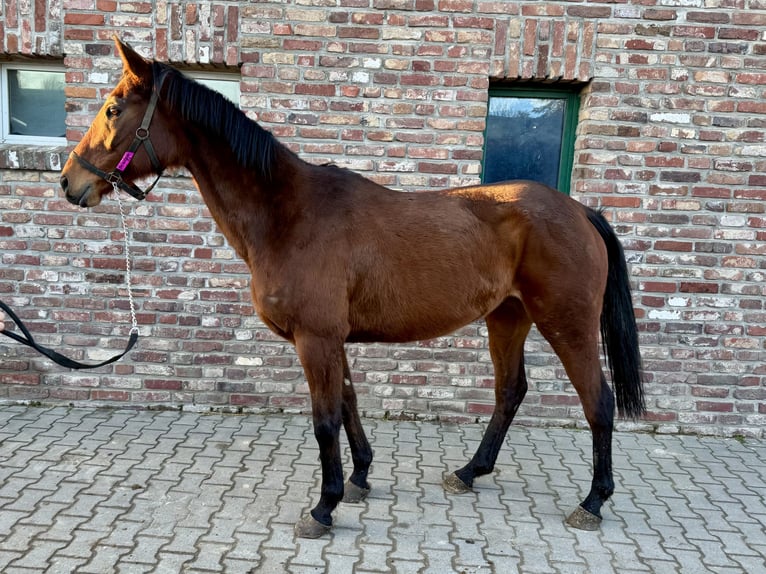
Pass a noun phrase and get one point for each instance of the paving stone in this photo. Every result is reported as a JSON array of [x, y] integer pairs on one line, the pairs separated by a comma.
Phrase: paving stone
[[91, 491]]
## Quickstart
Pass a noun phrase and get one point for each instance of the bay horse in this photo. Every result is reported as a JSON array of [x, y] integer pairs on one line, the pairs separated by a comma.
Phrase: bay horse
[[336, 258]]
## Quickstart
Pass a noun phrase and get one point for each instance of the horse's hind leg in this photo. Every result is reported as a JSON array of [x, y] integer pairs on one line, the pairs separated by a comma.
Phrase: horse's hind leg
[[508, 326], [578, 351], [357, 488], [600, 415]]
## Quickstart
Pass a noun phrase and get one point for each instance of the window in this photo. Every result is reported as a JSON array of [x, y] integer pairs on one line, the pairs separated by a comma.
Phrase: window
[[530, 135], [224, 83], [32, 104]]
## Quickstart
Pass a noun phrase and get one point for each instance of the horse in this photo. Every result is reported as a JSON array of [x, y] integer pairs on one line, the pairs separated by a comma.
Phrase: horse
[[336, 258]]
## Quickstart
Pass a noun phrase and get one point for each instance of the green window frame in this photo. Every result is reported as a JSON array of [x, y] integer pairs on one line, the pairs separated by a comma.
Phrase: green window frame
[[498, 163]]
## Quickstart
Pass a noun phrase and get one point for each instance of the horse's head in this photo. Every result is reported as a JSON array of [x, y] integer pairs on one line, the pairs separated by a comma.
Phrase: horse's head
[[117, 149]]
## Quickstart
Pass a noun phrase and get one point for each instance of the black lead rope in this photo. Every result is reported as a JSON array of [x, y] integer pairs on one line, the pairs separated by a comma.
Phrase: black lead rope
[[57, 357], [54, 356], [115, 178], [28, 340]]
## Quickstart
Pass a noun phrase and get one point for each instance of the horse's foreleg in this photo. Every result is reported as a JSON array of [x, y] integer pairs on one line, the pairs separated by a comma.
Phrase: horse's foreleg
[[508, 327], [322, 361], [357, 488]]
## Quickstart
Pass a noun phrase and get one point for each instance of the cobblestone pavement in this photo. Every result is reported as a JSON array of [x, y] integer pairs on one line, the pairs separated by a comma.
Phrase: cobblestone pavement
[[100, 491]]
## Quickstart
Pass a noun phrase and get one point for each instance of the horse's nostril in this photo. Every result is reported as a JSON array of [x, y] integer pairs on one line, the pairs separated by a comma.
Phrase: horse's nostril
[[64, 182]]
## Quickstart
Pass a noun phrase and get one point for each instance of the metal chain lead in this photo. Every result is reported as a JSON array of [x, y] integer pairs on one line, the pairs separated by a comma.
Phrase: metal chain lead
[[128, 274]]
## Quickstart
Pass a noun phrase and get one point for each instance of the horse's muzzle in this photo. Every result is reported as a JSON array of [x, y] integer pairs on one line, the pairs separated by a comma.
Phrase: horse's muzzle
[[81, 200]]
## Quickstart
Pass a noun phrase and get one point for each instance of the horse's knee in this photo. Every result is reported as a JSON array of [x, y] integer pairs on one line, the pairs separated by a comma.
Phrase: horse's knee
[[326, 429], [363, 457]]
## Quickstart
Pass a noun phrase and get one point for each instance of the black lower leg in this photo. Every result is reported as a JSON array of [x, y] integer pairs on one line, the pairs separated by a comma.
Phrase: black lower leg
[[483, 461], [361, 452], [601, 424], [327, 435]]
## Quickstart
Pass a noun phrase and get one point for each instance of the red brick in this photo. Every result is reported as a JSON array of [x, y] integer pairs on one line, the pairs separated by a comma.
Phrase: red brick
[[667, 245], [688, 287], [455, 5], [664, 161], [425, 167], [751, 78], [473, 22], [31, 379], [232, 24], [718, 407], [710, 16], [110, 395], [239, 399], [593, 12], [640, 44], [705, 32], [419, 80], [367, 18], [541, 9], [83, 19], [357, 32], [660, 14], [738, 34], [302, 45], [530, 35], [480, 408], [748, 18], [658, 287], [315, 89]]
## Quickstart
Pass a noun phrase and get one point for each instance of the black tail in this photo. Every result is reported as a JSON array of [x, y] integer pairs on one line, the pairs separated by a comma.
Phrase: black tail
[[619, 333]]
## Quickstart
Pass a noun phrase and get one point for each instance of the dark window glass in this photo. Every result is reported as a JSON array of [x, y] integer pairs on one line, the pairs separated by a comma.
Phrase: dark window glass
[[530, 137]]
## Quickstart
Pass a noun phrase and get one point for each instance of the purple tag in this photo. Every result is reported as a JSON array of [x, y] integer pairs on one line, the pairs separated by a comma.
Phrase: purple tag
[[125, 161]]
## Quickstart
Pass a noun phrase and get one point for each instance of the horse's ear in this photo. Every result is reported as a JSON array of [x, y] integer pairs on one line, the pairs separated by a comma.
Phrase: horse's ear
[[133, 63]]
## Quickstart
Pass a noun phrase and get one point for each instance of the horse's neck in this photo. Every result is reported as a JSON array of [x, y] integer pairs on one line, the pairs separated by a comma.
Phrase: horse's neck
[[244, 203]]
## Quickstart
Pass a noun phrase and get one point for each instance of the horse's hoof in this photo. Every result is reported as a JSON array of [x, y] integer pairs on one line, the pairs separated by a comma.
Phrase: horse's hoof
[[309, 527], [454, 485], [353, 494], [583, 520]]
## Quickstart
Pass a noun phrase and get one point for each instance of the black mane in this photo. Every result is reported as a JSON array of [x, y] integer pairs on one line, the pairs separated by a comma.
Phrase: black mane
[[253, 146]]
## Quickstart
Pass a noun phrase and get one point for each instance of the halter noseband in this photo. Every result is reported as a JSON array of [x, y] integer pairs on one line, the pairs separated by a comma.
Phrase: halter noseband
[[115, 177]]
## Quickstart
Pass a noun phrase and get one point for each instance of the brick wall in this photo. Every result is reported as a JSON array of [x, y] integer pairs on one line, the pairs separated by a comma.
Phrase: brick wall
[[670, 141]]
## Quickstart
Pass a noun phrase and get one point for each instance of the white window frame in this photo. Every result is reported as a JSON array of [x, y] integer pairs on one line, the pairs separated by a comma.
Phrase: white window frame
[[201, 76], [5, 136]]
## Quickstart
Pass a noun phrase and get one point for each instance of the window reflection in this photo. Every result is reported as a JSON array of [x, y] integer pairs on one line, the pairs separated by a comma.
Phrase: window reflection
[[36, 103], [524, 139]]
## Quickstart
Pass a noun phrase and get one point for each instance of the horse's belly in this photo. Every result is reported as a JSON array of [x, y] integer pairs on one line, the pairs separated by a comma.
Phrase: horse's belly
[[418, 319]]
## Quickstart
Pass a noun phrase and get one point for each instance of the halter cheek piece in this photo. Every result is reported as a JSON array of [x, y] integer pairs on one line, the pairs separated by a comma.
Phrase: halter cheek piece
[[115, 177]]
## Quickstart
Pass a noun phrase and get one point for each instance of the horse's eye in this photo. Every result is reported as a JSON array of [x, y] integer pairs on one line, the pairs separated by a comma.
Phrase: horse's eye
[[112, 112]]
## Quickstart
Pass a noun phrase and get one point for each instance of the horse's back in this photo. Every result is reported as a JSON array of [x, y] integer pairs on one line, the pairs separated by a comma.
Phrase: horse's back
[[423, 264]]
